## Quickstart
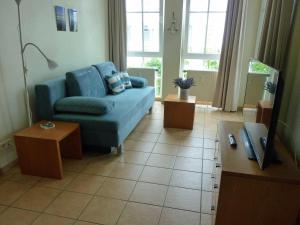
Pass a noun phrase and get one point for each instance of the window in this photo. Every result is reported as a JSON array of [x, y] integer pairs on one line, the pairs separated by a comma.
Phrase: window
[[144, 35], [204, 34], [144, 29]]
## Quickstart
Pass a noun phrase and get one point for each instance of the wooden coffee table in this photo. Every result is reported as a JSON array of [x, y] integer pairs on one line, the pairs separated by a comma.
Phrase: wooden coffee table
[[40, 150], [179, 113]]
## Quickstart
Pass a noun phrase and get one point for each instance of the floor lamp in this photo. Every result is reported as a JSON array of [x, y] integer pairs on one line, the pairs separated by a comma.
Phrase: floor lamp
[[51, 64]]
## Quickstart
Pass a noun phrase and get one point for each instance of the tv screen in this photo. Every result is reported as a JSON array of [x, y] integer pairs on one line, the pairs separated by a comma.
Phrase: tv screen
[[260, 111]]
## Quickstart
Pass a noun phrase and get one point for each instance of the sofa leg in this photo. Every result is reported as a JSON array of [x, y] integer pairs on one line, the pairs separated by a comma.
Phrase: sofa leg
[[150, 110], [120, 149]]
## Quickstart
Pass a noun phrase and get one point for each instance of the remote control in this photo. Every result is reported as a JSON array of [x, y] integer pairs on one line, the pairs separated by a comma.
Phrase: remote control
[[232, 140]]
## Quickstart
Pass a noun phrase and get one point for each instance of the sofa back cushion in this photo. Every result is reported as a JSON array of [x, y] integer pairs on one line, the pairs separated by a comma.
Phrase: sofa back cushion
[[106, 69], [47, 93], [85, 82]]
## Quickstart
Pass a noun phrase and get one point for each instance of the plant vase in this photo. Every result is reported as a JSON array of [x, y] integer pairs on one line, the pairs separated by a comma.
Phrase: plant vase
[[183, 93]]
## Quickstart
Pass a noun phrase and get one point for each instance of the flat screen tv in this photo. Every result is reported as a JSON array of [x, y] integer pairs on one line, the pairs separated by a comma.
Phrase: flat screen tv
[[264, 90]]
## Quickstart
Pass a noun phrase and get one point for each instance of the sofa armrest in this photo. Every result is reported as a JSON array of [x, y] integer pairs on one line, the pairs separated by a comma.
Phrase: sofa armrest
[[138, 82]]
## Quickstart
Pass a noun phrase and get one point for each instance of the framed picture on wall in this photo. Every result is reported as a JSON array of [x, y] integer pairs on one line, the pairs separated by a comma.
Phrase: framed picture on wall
[[73, 20], [60, 16]]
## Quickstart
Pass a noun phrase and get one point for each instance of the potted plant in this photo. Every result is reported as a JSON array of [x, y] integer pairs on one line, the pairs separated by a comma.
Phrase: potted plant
[[271, 88], [184, 85]]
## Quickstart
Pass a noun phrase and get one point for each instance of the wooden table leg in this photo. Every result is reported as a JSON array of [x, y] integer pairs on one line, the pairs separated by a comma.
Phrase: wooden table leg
[[71, 146], [39, 157]]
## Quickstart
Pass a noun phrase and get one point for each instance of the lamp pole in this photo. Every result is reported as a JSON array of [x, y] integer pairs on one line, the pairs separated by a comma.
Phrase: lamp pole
[[51, 65], [27, 100]]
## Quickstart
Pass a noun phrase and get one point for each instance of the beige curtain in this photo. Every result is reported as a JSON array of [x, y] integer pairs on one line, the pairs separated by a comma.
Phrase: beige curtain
[[276, 29], [117, 33], [229, 70]]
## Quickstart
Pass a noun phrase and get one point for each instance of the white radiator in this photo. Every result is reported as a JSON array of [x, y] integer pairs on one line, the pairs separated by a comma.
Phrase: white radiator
[[205, 84], [147, 73]]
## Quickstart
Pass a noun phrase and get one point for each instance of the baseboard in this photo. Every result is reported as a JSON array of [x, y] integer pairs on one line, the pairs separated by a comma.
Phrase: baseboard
[[8, 166]]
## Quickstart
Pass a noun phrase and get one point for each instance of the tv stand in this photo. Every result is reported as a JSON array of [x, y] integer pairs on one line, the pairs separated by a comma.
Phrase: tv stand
[[249, 195]]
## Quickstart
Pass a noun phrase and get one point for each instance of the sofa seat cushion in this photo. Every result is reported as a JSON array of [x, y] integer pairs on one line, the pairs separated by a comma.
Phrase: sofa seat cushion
[[84, 105], [127, 105], [85, 82]]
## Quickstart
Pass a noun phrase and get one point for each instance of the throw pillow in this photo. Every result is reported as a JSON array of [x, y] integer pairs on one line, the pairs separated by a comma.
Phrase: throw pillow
[[115, 84], [125, 79]]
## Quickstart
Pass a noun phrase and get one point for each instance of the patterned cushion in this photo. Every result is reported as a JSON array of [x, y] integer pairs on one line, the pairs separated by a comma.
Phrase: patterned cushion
[[115, 84], [125, 79]]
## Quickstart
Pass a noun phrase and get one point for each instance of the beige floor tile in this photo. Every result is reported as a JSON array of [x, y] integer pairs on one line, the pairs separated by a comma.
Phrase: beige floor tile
[[24, 179], [140, 214], [208, 153], [84, 183], [179, 217], [210, 134], [169, 139], [189, 164], [209, 143], [142, 136], [84, 223], [2, 208], [14, 216], [45, 219], [207, 182], [127, 171], [149, 193], [165, 149], [103, 210], [56, 183], [75, 165], [156, 175], [186, 179], [196, 132], [134, 157], [206, 219], [208, 166], [37, 199], [11, 191], [192, 142], [100, 168], [206, 202], [141, 146], [182, 198], [69, 204], [116, 188], [158, 160], [190, 152]]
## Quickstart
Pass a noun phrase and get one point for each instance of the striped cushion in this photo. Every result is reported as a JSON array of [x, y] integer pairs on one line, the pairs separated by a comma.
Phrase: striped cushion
[[125, 79], [115, 84]]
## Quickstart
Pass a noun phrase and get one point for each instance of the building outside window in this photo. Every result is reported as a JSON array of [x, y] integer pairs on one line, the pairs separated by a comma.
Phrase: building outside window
[[144, 36], [204, 30]]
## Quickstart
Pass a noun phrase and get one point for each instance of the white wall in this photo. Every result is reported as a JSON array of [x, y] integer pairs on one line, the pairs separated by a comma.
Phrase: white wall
[[250, 42], [172, 46], [71, 50]]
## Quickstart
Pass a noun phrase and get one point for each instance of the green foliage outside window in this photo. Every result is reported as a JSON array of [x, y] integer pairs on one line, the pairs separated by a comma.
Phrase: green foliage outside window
[[258, 67], [154, 63]]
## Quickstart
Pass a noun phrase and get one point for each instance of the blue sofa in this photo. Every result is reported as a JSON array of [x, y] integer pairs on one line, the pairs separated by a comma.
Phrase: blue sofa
[[107, 130]]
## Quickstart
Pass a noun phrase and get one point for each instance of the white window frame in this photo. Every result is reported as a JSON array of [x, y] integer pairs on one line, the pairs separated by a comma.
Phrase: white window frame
[[144, 53], [201, 56]]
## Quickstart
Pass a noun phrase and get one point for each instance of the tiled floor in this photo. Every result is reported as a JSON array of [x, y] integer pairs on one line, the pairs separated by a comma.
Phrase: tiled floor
[[163, 177]]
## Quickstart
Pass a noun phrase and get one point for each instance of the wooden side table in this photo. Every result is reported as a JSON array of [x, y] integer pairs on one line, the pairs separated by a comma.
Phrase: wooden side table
[[40, 150], [264, 112], [179, 113]]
